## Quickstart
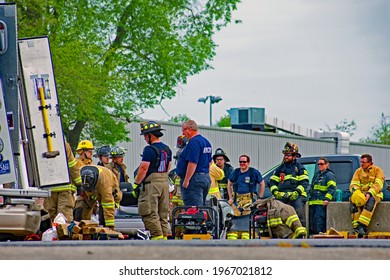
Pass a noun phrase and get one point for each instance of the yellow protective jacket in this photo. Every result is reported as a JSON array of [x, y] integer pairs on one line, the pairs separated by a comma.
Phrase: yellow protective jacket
[[74, 173], [369, 180], [114, 168], [216, 174], [108, 194]]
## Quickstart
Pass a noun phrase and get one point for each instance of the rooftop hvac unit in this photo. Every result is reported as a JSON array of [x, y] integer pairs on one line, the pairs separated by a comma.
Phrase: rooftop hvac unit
[[247, 118]]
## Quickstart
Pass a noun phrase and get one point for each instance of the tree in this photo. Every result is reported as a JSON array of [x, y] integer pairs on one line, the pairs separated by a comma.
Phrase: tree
[[179, 118], [344, 126], [380, 134], [114, 58], [224, 121]]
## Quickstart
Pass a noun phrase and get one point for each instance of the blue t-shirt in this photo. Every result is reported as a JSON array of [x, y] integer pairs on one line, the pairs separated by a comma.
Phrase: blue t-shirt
[[198, 150], [150, 155], [244, 180]]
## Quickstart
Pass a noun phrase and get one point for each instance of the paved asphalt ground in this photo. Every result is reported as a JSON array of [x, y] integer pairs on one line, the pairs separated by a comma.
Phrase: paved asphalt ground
[[309, 249]]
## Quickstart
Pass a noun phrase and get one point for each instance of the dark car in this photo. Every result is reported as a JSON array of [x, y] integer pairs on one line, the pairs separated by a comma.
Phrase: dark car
[[343, 166]]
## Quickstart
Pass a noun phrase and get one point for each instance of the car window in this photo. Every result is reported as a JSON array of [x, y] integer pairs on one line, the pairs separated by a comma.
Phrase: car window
[[343, 171], [311, 170]]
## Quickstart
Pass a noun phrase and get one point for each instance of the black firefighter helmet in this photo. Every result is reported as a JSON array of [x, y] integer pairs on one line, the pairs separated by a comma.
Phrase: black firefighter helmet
[[291, 148], [220, 152], [89, 177], [151, 127]]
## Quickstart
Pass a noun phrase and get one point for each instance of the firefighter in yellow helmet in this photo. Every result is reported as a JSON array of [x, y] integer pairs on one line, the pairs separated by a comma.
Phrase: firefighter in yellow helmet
[[100, 184], [62, 198], [367, 181], [84, 150]]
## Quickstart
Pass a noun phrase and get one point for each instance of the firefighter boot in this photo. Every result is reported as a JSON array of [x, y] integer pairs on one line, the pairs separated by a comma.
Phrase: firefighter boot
[[361, 230]]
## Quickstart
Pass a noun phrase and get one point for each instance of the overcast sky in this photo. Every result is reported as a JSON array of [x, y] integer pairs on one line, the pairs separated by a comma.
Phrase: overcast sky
[[309, 62]]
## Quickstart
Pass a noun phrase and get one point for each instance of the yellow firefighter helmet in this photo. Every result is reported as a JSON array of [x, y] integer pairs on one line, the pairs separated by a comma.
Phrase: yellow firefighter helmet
[[84, 145], [358, 198]]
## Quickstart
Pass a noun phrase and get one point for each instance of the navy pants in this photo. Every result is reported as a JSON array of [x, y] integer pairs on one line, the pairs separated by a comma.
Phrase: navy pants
[[196, 192], [317, 218]]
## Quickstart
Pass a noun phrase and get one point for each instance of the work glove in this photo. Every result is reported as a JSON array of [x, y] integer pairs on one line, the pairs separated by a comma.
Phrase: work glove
[[293, 195], [136, 190], [279, 195]]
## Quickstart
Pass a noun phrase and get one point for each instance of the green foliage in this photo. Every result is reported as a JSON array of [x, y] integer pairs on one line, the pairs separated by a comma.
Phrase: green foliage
[[224, 121], [345, 126], [380, 134], [114, 58], [179, 118]]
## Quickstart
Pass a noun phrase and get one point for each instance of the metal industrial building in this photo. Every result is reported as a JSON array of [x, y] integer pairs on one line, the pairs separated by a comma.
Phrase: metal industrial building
[[263, 148]]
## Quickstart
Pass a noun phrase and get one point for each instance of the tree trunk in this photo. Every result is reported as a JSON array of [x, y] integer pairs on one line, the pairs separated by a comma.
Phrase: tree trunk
[[74, 134]]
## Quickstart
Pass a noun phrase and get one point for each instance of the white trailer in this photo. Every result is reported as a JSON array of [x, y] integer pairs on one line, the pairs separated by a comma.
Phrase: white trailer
[[32, 146]]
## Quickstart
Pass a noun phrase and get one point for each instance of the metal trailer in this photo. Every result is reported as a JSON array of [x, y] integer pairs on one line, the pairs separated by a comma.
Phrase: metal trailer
[[32, 147]]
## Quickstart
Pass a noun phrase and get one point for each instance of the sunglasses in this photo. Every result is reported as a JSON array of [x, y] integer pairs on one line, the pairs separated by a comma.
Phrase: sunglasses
[[242, 161], [288, 155], [320, 164]]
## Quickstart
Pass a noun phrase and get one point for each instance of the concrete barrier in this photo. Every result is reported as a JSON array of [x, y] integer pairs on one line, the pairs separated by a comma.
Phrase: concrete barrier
[[339, 217]]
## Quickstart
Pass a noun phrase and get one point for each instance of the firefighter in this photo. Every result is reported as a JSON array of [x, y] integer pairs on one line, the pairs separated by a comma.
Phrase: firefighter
[[103, 154], [242, 189], [152, 182], [62, 199], [84, 150], [100, 185], [366, 188], [290, 181], [222, 161], [281, 219], [323, 188], [117, 166], [176, 199]]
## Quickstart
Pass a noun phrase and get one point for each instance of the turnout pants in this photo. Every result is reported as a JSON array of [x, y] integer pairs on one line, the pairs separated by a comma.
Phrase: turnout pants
[[60, 202], [153, 205]]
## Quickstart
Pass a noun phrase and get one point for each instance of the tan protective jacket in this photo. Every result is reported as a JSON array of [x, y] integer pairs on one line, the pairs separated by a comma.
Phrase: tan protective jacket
[[107, 193], [369, 180], [114, 168], [282, 220], [74, 173]]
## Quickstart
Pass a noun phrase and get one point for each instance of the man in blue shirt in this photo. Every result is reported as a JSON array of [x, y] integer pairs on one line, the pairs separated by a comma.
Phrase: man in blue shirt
[[193, 166], [152, 183], [242, 189]]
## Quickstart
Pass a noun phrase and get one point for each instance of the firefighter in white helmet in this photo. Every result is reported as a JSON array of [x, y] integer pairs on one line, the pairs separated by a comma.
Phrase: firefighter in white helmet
[[117, 166], [100, 185], [367, 181]]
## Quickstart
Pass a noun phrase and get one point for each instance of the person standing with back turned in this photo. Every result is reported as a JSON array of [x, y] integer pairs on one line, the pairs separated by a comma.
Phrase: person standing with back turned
[[151, 182], [193, 166]]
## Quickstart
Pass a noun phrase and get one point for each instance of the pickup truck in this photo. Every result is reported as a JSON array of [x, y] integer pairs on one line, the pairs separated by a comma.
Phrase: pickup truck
[[343, 166]]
